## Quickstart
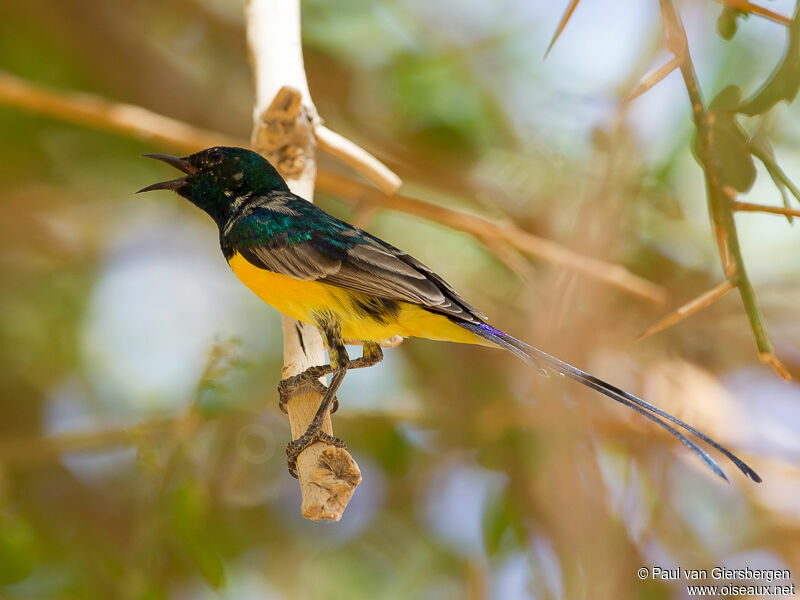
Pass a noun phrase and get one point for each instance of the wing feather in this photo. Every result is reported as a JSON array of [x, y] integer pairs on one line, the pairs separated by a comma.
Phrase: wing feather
[[302, 241], [301, 261]]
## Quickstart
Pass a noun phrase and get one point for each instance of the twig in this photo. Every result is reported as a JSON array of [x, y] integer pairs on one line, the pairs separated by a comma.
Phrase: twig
[[140, 122], [283, 131], [99, 113], [354, 192], [776, 210], [188, 423], [364, 214], [102, 114], [32, 450], [358, 158], [755, 9], [720, 197], [37, 449], [762, 153], [651, 80], [688, 309], [761, 149], [509, 257]]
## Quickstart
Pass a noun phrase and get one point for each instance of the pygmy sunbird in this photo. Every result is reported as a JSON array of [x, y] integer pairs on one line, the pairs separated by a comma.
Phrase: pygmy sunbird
[[351, 285]]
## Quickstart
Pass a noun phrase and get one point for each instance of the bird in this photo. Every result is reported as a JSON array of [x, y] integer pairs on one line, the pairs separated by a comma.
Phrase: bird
[[351, 285]]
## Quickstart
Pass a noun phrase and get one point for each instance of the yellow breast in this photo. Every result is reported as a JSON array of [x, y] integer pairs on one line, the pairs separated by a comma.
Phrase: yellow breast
[[301, 300], [293, 297]]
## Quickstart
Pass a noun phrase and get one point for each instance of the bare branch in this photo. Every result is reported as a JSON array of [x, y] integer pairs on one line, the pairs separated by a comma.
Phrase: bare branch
[[99, 113], [284, 120], [30, 450], [509, 257], [755, 9], [479, 227], [116, 117], [33, 450], [364, 214], [358, 158], [688, 309], [776, 210]]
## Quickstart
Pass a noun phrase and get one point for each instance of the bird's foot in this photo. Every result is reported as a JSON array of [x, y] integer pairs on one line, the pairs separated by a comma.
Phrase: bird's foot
[[313, 434], [310, 377]]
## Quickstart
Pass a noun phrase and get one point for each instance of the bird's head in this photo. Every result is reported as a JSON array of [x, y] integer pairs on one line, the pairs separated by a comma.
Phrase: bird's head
[[217, 177]]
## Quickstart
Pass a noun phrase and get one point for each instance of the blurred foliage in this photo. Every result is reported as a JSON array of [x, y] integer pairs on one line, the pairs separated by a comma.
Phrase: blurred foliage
[[731, 147], [142, 458], [784, 82], [727, 23]]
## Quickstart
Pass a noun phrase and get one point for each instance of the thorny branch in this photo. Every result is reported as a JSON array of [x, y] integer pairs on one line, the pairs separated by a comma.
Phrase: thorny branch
[[720, 197], [755, 9]]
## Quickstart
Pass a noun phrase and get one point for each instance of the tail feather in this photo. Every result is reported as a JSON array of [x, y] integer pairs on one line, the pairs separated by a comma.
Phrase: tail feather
[[549, 364]]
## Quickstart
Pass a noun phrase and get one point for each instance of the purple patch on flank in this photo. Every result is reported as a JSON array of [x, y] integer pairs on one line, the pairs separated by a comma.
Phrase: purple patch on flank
[[491, 329]]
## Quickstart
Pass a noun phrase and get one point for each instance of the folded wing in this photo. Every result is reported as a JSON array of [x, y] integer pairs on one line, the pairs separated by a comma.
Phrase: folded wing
[[285, 234]]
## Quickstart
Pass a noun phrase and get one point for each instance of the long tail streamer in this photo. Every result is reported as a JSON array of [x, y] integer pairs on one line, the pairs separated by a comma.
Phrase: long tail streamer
[[546, 363]]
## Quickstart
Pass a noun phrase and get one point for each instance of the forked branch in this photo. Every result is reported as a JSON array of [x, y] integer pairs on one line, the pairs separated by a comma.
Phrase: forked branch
[[283, 130]]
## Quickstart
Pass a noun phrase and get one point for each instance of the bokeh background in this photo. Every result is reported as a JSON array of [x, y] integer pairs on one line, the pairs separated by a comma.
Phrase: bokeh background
[[141, 448]]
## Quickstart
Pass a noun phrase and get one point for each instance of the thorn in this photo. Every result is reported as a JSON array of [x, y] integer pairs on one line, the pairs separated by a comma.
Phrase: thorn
[[770, 359], [651, 80], [688, 309], [777, 210], [564, 19]]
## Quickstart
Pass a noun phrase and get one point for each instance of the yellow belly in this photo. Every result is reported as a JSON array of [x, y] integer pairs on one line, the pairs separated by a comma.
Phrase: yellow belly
[[301, 300]]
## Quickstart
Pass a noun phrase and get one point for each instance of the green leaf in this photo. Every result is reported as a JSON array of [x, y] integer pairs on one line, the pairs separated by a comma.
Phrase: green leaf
[[152, 593], [189, 518], [208, 562], [17, 550], [728, 143], [503, 528], [727, 100], [726, 23], [784, 82]]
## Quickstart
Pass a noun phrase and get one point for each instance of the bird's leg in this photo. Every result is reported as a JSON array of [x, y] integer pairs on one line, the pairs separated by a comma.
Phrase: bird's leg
[[371, 355], [314, 433]]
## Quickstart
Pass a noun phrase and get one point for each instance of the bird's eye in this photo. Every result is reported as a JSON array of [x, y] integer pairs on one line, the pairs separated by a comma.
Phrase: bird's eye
[[214, 156]]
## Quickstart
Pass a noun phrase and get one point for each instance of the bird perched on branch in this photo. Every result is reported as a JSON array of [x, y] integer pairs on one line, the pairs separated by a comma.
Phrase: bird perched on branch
[[353, 286]]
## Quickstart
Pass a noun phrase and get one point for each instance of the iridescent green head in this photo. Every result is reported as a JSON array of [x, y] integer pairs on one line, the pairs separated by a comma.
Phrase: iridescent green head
[[218, 178]]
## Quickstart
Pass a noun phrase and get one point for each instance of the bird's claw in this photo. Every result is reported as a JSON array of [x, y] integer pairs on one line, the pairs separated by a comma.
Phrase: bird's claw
[[289, 386], [313, 434]]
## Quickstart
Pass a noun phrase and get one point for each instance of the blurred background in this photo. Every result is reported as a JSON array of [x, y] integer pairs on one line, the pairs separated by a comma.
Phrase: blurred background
[[141, 447]]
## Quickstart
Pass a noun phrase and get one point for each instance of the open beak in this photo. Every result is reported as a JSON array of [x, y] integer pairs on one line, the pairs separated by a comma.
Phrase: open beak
[[181, 164]]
